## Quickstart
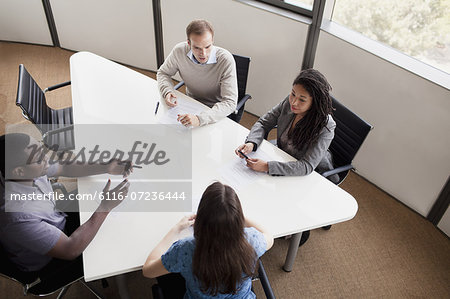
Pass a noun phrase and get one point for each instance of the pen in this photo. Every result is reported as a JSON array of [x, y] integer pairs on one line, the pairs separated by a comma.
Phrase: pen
[[244, 155], [157, 106]]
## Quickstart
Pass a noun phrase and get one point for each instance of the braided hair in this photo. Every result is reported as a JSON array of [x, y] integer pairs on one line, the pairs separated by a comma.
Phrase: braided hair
[[307, 130]]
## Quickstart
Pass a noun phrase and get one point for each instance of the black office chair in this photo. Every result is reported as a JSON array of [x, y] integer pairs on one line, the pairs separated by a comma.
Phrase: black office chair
[[172, 286], [39, 285], [242, 66], [56, 126], [349, 135], [42, 283]]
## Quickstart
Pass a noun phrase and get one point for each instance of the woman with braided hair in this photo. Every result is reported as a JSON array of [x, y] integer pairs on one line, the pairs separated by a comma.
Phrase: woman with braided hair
[[305, 129]]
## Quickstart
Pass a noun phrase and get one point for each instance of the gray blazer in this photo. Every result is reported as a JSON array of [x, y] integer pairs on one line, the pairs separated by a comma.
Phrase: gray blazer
[[315, 157]]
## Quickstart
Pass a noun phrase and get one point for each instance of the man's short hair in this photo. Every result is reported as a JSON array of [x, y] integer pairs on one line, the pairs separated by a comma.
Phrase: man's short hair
[[13, 147], [198, 27]]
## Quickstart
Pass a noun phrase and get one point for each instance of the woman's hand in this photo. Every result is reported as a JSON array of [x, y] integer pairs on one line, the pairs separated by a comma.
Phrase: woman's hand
[[245, 148], [185, 222], [258, 165]]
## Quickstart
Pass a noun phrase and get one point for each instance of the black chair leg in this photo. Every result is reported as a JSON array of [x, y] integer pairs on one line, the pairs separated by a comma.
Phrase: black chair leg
[[105, 283], [63, 292], [304, 238], [326, 227], [265, 281]]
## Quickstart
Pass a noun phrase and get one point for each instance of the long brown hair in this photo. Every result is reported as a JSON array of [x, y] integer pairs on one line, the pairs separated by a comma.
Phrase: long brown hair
[[222, 256], [307, 130]]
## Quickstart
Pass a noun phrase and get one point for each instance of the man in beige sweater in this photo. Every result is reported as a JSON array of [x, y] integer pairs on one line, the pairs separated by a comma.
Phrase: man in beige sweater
[[209, 73]]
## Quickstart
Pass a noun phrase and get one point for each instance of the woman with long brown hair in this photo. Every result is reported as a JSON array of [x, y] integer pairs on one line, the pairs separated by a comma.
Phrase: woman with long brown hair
[[220, 259]]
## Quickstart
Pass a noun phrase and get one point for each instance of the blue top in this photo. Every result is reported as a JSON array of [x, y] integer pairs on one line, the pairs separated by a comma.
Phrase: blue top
[[178, 259]]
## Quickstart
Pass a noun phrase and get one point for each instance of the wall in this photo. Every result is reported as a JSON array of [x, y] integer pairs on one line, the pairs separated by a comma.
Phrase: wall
[[24, 21], [119, 30], [407, 154], [274, 43]]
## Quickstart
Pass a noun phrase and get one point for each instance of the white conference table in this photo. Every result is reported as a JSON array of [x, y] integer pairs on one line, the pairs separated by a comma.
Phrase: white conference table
[[104, 92]]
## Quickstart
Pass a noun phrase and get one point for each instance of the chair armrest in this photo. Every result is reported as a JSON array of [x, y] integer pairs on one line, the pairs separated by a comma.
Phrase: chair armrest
[[176, 87], [265, 281], [56, 131], [337, 170], [242, 101], [57, 86]]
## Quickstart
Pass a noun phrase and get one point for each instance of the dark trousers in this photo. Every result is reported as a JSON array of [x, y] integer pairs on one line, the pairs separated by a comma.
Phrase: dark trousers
[[57, 272]]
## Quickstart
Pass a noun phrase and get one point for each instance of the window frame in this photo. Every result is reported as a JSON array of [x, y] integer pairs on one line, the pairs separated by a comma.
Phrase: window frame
[[382, 50], [290, 7]]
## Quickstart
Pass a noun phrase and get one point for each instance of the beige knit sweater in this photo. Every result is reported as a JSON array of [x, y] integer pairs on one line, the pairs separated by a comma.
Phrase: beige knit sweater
[[214, 85]]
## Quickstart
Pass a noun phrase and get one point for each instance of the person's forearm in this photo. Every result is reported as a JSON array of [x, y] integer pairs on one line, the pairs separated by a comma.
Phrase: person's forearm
[[79, 170], [265, 124], [165, 84], [218, 111], [251, 223], [164, 244], [267, 235], [83, 235], [164, 75], [292, 168]]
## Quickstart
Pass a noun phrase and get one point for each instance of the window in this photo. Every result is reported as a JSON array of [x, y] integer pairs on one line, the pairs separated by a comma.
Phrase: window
[[307, 4], [303, 7], [419, 28]]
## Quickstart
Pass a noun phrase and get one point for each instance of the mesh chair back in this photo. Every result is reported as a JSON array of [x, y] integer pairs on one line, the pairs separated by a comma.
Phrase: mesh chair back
[[31, 99], [242, 66], [350, 132]]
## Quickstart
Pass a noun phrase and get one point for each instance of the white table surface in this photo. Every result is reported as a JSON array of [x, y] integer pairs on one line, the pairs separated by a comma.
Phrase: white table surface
[[106, 92]]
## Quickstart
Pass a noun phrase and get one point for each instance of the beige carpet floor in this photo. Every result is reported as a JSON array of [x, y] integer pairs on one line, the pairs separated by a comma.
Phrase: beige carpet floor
[[386, 251]]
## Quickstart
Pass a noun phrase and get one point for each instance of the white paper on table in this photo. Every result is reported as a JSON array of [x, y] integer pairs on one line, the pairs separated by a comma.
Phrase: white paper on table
[[238, 175], [183, 107]]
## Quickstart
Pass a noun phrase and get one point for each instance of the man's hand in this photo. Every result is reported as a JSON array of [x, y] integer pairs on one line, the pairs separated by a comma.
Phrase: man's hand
[[117, 167], [171, 100], [112, 198], [258, 165], [188, 120], [245, 148]]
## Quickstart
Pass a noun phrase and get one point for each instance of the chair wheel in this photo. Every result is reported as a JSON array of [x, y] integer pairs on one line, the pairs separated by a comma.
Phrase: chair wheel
[[326, 227]]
